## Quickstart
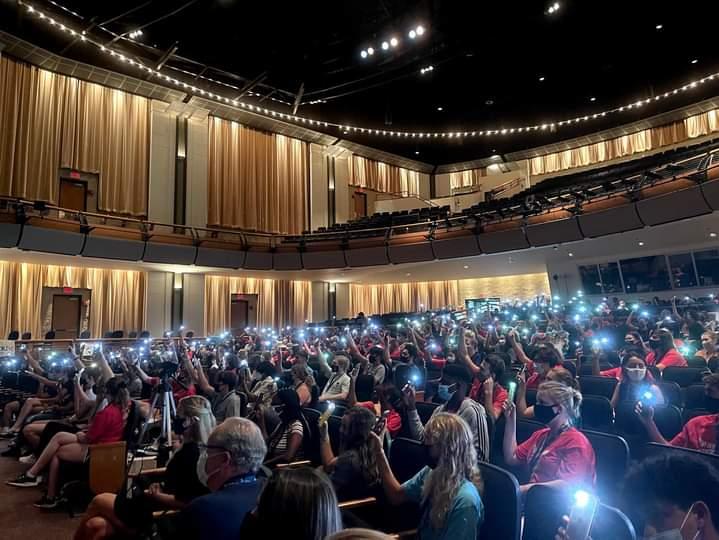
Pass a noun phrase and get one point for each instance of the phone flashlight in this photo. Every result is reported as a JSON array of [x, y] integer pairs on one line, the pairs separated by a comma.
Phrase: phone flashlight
[[511, 390], [582, 515], [645, 314]]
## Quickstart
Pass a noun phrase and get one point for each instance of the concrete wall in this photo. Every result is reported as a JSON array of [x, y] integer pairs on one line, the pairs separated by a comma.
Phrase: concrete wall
[[193, 303], [343, 212], [197, 155], [161, 189], [342, 298], [318, 187], [159, 302], [319, 301]]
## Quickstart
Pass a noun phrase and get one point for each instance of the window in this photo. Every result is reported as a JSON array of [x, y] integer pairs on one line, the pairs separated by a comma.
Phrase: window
[[611, 281], [590, 279], [645, 274], [682, 271], [707, 267]]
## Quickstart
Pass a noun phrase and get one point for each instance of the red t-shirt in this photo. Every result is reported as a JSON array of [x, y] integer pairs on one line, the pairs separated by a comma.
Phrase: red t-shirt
[[700, 433], [671, 358], [178, 391], [569, 457], [499, 395], [534, 381], [394, 419], [107, 426]]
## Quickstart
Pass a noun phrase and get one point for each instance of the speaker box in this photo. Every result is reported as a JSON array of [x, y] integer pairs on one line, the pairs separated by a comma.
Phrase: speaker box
[[318, 260], [497, 242], [411, 253], [681, 204], [169, 253], [51, 240], [711, 193], [220, 258], [258, 260], [553, 232], [287, 260], [368, 256], [9, 234], [113, 248], [464, 246], [612, 221]]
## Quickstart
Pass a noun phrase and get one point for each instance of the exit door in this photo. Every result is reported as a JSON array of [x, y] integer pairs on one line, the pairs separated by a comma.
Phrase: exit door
[[66, 316], [243, 311], [360, 201], [73, 195]]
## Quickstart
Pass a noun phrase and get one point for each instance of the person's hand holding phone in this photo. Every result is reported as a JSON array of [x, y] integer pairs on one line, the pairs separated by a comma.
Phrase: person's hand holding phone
[[410, 397], [510, 411], [645, 412]]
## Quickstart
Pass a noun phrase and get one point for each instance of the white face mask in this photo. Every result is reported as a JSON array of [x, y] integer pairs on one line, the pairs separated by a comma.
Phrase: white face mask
[[202, 475], [636, 374], [675, 534]]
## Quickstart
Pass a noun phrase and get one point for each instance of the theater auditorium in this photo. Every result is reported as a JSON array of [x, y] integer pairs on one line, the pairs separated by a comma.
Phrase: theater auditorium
[[390, 269]]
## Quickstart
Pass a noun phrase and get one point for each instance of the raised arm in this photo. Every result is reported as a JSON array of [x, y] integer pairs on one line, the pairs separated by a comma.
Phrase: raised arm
[[517, 347], [354, 350], [509, 446], [105, 370], [462, 353], [41, 379], [32, 362], [75, 357], [392, 488]]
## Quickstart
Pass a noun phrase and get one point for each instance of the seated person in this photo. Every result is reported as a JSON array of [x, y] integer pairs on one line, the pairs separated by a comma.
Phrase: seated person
[[634, 380], [303, 383], [545, 358], [338, 385], [453, 390], [107, 426], [263, 386], [192, 425], [228, 466], [486, 388], [354, 471], [699, 433], [558, 455], [674, 497], [709, 347], [558, 374], [225, 401], [448, 489], [663, 353], [285, 442]]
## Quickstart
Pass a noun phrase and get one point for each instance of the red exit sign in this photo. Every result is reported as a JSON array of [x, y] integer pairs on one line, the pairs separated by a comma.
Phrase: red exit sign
[[67, 290]]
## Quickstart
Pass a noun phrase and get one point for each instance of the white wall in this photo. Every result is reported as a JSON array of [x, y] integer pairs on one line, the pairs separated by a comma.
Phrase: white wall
[[342, 300], [161, 189], [159, 302], [319, 300], [193, 303], [197, 155], [318, 187], [342, 189]]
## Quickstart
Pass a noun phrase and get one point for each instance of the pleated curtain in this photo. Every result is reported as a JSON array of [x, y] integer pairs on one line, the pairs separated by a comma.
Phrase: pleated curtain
[[627, 145], [383, 177], [256, 180], [398, 297], [468, 178], [50, 121], [117, 296], [280, 302]]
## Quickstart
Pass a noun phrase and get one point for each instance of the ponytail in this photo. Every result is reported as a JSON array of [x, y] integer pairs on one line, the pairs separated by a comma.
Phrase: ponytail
[[559, 393]]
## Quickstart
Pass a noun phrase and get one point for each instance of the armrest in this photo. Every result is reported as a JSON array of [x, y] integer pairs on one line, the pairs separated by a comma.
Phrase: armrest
[[357, 503], [294, 464], [148, 472], [161, 513], [412, 533]]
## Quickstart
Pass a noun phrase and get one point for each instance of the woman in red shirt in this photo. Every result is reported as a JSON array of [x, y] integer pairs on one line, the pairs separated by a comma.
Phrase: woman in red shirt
[[558, 454], [664, 354], [107, 426]]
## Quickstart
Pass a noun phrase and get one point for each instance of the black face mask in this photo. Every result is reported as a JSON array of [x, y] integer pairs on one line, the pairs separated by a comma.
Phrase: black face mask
[[178, 425], [711, 404], [544, 413], [655, 343], [428, 459]]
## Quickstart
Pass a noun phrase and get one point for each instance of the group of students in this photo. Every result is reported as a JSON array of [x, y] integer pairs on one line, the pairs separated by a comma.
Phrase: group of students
[[217, 478]]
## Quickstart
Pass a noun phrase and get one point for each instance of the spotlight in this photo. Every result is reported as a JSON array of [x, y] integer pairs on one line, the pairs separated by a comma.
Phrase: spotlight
[[385, 45], [695, 61], [419, 30], [412, 34], [394, 42], [659, 26], [712, 235], [363, 54], [370, 51]]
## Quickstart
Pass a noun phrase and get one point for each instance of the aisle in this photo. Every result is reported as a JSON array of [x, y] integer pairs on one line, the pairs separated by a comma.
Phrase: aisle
[[19, 520]]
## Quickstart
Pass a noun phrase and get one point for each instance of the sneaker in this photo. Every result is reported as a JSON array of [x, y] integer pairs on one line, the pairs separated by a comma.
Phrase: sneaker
[[30, 459], [48, 503], [8, 434], [25, 481], [11, 451], [4, 430]]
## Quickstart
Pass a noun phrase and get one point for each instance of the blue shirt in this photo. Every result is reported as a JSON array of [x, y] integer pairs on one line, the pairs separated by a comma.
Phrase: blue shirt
[[219, 515], [465, 515]]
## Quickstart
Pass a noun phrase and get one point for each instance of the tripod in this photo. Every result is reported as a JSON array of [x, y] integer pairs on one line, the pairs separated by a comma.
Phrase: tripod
[[165, 401]]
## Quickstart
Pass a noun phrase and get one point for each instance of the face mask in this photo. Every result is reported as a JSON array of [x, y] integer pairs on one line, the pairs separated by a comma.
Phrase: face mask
[[674, 534], [636, 374], [334, 368], [202, 475], [544, 413], [446, 391], [428, 459], [450, 359], [178, 425], [655, 343], [711, 404], [541, 369]]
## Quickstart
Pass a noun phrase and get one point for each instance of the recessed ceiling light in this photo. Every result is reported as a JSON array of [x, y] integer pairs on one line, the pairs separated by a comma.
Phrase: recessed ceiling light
[[440, 108], [541, 78], [370, 51], [592, 98], [659, 26], [570, 254], [416, 152], [695, 61], [412, 34], [394, 42], [641, 244], [385, 45], [408, 274], [466, 266], [419, 30], [712, 235], [363, 54]]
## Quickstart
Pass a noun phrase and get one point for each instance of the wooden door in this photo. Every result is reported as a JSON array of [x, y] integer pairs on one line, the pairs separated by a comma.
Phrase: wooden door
[[360, 201], [239, 314], [66, 316], [73, 195]]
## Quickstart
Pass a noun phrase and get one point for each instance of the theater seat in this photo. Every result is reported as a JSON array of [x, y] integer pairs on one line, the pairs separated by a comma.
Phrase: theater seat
[[597, 386], [694, 396], [671, 392], [611, 524], [683, 376], [654, 449], [503, 508], [612, 455], [406, 458], [597, 413], [425, 410]]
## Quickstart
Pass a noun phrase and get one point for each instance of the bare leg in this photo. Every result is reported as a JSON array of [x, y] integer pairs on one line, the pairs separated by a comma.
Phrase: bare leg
[[100, 520], [32, 433], [8, 412], [72, 452], [30, 406], [58, 440]]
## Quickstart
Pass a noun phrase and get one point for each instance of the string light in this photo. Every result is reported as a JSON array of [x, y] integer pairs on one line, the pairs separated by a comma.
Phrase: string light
[[346, 129]]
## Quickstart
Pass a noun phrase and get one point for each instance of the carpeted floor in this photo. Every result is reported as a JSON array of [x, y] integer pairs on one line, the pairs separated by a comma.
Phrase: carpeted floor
[[19, 519]]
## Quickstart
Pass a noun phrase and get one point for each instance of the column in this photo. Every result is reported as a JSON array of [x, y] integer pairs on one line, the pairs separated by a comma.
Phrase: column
[[193, 303], [161, 189], [319, 301], [197, 157], [319, 188], [342, 189], [160, 288]]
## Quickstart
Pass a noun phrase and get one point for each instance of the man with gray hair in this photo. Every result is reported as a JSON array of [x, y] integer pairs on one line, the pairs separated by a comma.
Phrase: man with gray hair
[[228, 466]]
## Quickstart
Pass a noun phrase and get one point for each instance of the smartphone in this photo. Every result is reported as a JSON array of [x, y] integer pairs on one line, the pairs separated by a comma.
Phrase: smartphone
[[511, 390], [582, 515], [381, 423], [328, 412]]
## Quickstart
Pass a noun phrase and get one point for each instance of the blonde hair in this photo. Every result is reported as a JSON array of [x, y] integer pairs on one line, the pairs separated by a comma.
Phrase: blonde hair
[[561, 394], [199, 411], [457, 463]]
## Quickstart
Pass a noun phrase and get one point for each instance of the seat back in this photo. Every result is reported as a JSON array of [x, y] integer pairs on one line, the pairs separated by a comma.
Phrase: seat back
[[132, 335], [669, 420], [612, 455], [406, 458], [694, 396], [611, 524], [597, 386], [672, 392], [13, 335], [108, 463], [544, 507], [364, 387], [683, 376], [312, 417], [85, 334], [144, 334], [26, 336], [50, 334], [597, 413], [334, 423], [503, 509], [696, 362], [655, 449], [525, 428], [425, 410], [118, 334]]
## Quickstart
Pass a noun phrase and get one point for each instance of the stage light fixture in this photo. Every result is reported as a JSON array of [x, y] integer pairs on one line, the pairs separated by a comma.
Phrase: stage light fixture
[[412, 34], [394, 42], [385, 45], [370, 51], [419, 30]]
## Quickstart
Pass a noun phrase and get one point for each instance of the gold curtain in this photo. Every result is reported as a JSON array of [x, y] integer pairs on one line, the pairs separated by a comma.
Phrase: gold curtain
[[279, 302], [256, 180], [117, 296], [395, 297], [50, 121], [627, 145], [383, 177], [466, 178]]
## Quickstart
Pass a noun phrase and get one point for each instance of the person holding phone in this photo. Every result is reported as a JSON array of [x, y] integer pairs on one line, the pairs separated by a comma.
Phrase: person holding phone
[[664, 354], [558, 455], [634, 379]]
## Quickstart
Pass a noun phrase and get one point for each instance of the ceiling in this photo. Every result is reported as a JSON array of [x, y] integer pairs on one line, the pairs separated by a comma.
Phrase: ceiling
[[488, 59]]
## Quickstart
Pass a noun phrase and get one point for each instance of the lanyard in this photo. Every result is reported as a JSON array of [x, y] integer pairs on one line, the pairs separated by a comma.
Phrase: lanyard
[[541, 448]]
